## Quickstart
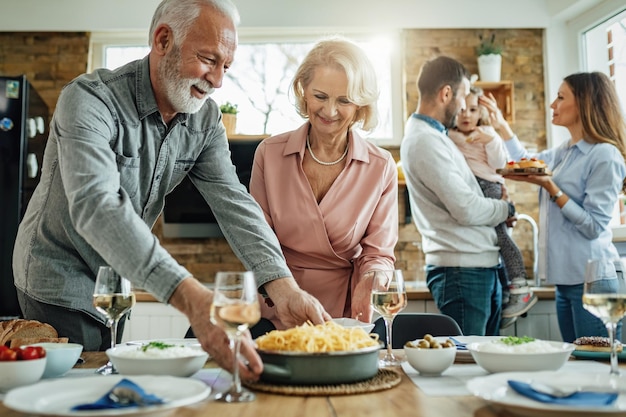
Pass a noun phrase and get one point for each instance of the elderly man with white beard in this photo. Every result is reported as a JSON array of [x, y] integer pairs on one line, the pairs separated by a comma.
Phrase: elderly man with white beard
[[119, 142]]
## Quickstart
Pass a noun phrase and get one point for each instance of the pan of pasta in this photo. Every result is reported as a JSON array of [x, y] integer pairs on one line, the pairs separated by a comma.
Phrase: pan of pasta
[[318, 355]]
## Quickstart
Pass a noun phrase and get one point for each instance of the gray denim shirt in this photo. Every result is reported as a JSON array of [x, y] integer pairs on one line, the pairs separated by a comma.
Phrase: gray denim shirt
[[108, 165]]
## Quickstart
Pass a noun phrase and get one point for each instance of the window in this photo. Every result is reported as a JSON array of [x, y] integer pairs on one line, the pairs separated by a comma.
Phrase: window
[[605, 51], [260, 78]]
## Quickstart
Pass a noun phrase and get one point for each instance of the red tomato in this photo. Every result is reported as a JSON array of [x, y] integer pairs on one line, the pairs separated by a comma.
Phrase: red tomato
[[8, 355], [41, 352], [27, 353]]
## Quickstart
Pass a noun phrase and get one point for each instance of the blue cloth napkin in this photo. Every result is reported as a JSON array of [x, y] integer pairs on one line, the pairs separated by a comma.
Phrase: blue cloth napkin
[[459, 345], [106, 401], [581, 399]]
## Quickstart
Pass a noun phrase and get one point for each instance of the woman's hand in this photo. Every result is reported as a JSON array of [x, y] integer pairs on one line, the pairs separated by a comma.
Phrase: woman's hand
[[361, 300], [496, 117], [541, 180], [294, 306]]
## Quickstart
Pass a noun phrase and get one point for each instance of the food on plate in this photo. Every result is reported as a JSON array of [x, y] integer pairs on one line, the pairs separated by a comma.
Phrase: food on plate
[[429, 342], [20, 332], [525, 166], [327, 337], [514, 344], [21, 354], [531, 163], [596, 344], [157, 349]]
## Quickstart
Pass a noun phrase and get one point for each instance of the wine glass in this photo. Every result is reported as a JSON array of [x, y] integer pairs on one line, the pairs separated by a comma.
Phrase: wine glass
[[235, 308], [388, 299], [604, 296], [113, 297]]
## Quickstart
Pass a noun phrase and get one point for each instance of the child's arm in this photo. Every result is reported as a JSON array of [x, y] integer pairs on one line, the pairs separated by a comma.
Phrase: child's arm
[[495, 152]]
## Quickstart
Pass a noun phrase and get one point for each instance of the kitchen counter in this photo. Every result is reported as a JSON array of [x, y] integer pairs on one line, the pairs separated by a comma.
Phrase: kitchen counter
[[415, 291]]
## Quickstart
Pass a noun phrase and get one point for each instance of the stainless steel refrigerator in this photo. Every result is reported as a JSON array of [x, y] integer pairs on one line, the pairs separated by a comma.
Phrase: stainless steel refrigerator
[[24, 119]]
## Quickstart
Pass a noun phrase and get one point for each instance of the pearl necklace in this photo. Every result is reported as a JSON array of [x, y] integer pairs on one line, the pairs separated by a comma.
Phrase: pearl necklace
[[308, 146]]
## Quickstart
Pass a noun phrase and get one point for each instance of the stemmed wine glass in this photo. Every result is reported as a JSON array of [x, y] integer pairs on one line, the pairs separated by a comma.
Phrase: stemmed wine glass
[[388, 299], [235, 308], [604, 296], [113, 297]]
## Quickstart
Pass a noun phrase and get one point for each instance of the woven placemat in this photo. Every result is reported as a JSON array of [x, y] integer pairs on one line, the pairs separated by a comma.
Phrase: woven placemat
[[384, 379]]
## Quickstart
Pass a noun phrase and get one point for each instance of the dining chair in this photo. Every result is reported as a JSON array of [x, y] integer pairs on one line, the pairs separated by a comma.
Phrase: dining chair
[[411, 326]]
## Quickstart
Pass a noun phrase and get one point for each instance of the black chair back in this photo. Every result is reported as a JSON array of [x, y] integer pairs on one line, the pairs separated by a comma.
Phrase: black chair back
[[411, 326]]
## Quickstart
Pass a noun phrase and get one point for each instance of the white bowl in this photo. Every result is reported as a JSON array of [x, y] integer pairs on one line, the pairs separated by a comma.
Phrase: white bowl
[[140, 363], [520, 361], [430, 362], [348, 322], [14, 374], [61, 357]]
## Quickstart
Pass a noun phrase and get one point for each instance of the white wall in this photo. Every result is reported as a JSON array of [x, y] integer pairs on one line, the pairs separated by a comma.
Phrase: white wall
[[563, 21], [99, 15]]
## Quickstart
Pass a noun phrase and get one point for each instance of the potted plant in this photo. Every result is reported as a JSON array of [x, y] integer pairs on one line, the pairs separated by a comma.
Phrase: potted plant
[[489, 58], [229, 117]]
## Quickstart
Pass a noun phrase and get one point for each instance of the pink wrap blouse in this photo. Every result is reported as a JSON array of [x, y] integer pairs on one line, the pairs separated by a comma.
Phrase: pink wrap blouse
[[354, 229]]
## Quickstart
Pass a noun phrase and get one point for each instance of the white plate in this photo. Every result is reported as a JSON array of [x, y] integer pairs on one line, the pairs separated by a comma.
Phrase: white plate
[[57, 397], [465, 355], [494, 388], [348, 322]]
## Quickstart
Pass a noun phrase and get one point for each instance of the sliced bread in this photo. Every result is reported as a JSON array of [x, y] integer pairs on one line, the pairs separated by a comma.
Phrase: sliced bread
[[27, 329], [17, 342]]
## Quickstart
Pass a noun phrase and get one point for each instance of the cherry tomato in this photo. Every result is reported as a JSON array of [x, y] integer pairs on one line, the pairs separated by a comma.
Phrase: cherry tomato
[[8, 355], [41, 352], [27, 353]]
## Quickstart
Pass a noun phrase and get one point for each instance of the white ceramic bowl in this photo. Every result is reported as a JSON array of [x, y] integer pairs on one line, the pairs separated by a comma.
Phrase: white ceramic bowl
[[348, 322], [520, 361], [61, 357], [15, 374], [430, 362], [181, 366]]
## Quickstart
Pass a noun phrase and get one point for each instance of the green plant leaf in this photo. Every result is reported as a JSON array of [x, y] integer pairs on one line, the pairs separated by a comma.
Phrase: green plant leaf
[[229, 108], [488, 46]]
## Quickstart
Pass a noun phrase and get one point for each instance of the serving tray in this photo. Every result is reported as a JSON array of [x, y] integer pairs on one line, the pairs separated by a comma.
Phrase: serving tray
[[524, 171]]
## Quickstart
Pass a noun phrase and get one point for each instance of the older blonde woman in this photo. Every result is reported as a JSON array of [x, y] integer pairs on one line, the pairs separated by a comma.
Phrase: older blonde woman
[[330, 196]]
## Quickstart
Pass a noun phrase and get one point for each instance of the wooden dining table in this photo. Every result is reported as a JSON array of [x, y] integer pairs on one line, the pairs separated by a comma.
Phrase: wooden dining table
[[405, 399]]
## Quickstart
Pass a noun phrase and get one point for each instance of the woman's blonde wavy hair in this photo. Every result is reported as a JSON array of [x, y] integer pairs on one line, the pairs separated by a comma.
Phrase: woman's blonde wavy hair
[[343, 54]]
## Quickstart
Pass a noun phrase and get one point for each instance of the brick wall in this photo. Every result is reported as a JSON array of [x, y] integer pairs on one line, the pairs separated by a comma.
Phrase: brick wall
[[50, 60]]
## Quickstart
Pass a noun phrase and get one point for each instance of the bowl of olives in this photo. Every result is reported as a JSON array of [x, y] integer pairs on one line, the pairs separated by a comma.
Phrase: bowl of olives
[[429, 356]]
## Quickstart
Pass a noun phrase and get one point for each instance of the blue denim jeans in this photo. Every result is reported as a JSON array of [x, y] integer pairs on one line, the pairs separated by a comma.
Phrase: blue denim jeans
[[574, 320], [471, 296]]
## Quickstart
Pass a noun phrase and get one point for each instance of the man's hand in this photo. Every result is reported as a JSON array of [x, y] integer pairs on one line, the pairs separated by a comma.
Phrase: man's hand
[[295, 306], [194, 300]]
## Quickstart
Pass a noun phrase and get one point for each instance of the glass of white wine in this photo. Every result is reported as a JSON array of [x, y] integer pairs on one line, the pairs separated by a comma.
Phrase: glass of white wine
[[388, 299], [113, 297], [604, 296], [235, 308]]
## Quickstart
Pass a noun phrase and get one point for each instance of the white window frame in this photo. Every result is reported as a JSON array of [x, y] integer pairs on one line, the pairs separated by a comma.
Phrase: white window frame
[[100, 40]]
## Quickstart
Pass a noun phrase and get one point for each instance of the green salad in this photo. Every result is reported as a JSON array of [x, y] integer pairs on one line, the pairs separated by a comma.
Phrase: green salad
[[514, 340]]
